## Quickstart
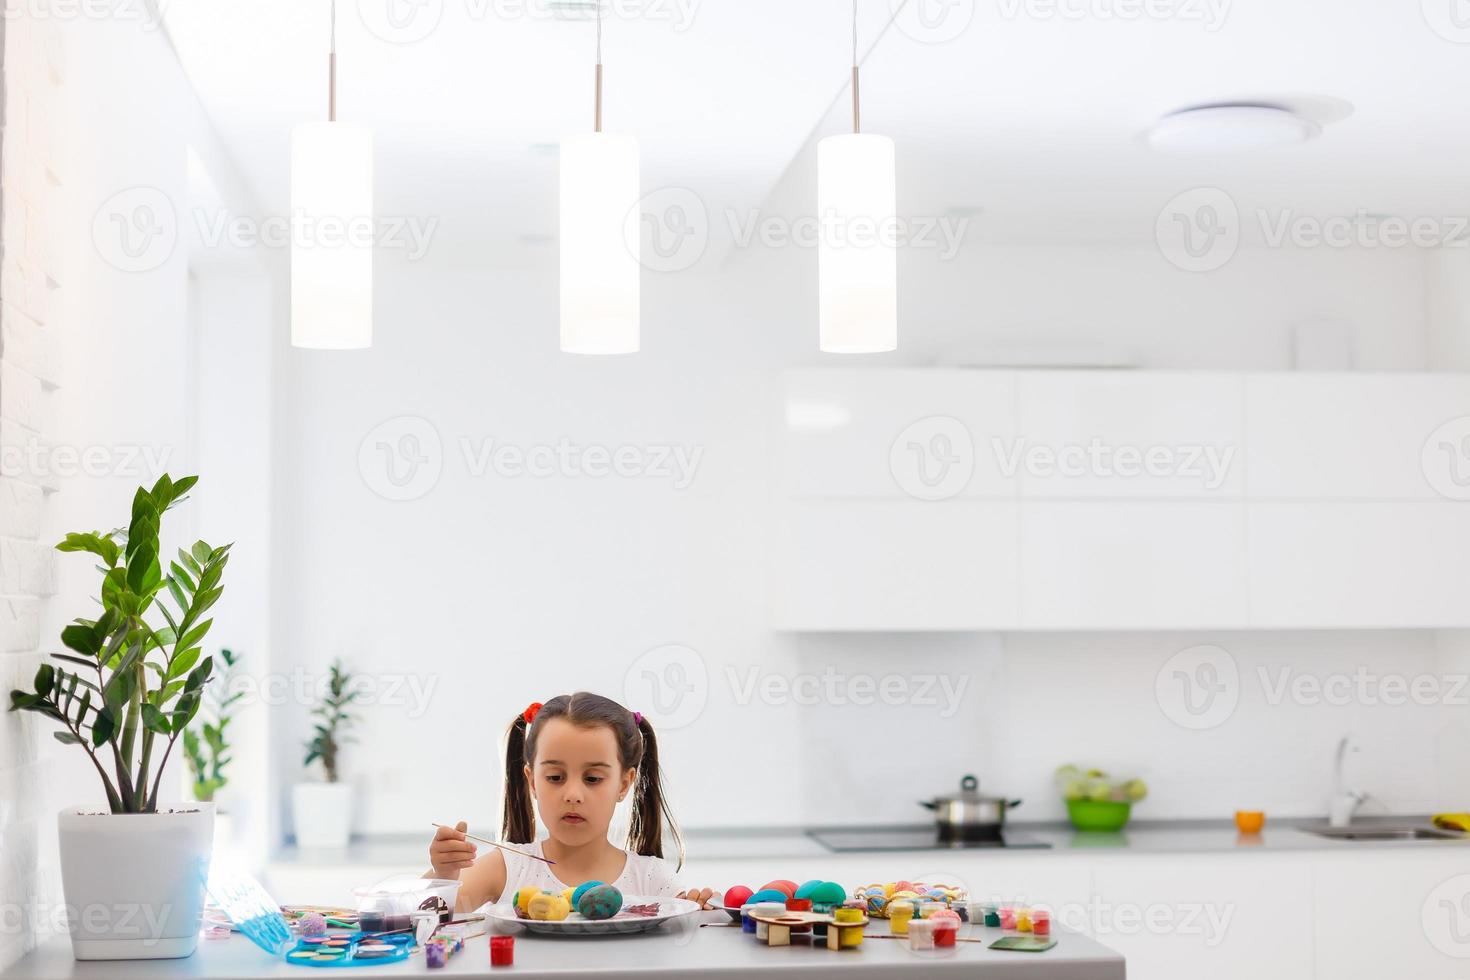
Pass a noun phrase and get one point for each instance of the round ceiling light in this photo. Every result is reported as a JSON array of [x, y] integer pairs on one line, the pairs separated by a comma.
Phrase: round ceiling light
[[1227, 128]]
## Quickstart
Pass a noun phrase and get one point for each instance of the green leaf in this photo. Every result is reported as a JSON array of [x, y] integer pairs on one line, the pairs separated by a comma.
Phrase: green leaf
[[45, 676], [199, 675], [184, 579], [182, 662], [103, 726], [202, 552], [185, 710], [66, 738], [177, 591], [95, 543], [82, 638], [154, 720], [195, 634], [166, 694], [189, 561]]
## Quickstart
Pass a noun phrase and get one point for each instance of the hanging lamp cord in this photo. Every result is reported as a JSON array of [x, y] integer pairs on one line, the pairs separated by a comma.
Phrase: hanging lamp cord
[[857, 117], [597, 111], [332, 70]]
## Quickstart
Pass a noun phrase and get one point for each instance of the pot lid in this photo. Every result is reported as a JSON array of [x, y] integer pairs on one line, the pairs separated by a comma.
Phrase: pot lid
[[969, 793]]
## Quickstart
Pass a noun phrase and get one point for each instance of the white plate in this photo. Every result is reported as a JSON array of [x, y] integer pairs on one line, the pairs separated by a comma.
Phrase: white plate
[[669, 909]]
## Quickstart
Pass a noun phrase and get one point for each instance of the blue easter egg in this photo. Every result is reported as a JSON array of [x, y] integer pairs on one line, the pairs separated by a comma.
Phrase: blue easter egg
[[767, 895], [582, 890], [600, 902]]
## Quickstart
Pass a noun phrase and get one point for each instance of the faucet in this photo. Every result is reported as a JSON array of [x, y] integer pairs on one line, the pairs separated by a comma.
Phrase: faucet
[[1344, 801]]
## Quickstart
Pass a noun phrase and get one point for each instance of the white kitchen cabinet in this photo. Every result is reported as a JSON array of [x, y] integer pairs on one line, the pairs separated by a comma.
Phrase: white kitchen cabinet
[[896, 434], [1359, 565], [1206, 917], [1122, 435], [1121, 500], [1355, 436], [1117, 565], [1404, 914], [889, 565]]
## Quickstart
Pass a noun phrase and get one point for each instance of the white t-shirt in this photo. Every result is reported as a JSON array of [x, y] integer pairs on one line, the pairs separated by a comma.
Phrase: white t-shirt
[[643, 876]]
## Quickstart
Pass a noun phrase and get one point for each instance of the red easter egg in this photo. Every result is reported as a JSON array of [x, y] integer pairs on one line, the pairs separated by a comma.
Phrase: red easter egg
[[787, 888], [904, 886], [737, 896]]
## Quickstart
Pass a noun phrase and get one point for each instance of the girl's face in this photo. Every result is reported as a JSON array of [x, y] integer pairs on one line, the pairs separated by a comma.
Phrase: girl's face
[[577, 780]]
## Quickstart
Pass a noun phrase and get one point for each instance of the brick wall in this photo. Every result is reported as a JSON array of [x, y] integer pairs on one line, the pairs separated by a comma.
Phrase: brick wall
[[31, 280]]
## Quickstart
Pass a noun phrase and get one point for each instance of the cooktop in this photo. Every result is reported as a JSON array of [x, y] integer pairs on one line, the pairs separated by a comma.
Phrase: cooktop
[[912, 838]]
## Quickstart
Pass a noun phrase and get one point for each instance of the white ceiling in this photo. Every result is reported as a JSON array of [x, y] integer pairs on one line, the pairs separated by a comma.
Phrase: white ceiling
[[1029, 110]]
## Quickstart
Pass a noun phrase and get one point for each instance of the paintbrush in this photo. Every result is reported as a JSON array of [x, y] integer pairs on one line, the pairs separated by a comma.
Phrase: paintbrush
[[492, 843]]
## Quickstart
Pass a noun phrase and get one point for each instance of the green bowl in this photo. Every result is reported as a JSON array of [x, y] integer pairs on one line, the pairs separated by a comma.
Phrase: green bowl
[[1092, 815]]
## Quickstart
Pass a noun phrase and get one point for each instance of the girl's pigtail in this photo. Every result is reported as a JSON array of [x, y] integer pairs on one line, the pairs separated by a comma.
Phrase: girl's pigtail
[[650, 809], [518, 822]]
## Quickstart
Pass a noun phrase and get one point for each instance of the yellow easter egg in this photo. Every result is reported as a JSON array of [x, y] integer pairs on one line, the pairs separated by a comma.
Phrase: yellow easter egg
[[568, 895], [549, 908], [524, 896], [888, 890]]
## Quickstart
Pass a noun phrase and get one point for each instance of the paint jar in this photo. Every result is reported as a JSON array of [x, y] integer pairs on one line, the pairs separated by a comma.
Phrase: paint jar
[[990, 918], [747, 924], [1040, 923], [502, 950], [921, 934], [946, 932], [436, 955], [927, 909], [1023, 920], [1007, 917], [798, 905], [899, 916]]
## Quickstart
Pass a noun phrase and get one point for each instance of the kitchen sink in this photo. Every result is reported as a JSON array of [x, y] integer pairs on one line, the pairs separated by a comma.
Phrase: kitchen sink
[[1370, 833]]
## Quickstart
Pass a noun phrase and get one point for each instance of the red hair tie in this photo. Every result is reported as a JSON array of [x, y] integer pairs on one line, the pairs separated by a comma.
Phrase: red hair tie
[[531, 712]]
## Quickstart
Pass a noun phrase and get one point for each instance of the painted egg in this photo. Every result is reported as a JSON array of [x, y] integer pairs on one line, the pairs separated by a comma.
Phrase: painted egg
[[827, 893], [876, 904], [904, 894], [522, 899], [767, 895], [737, 896], [888, 890], [875, 891], [581, 890], [549, 908], [567, 894], [787, 888], [600, 902], [805, 890], [904, 886], [943, 914]]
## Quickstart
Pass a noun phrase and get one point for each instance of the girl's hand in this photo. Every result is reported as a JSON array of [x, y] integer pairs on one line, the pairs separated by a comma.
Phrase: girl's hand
[[700, 895], [450, 852]]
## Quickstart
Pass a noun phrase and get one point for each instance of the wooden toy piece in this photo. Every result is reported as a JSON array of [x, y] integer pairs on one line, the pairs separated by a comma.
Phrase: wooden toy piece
[[844, 926], [778, 934]]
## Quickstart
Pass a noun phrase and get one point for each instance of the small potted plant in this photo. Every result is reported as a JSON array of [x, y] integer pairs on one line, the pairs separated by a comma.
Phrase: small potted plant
[[124, 693], [323, 810], [206, 745]]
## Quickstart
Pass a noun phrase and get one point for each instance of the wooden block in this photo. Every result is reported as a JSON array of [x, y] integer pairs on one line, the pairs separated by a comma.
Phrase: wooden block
[[778, 935], [834, 940]]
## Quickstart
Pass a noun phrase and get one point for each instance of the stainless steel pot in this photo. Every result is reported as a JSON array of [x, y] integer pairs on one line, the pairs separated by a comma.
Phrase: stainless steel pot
[[968, 815]]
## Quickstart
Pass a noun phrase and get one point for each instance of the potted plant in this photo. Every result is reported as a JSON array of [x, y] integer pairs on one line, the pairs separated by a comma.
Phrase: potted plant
[[206, 745], [127, 690], [323, 810]]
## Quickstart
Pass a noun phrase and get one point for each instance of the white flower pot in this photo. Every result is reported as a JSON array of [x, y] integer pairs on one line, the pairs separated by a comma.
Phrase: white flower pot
[[134, 882], [323, 814]]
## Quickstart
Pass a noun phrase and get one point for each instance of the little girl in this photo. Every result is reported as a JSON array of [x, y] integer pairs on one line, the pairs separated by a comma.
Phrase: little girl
[[578, 756]]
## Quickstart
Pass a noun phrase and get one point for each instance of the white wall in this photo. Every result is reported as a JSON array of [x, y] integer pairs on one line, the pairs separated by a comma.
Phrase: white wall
[[493, 591], [116, 334]]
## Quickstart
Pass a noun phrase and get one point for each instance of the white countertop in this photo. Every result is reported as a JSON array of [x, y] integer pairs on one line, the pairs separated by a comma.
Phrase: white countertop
[[720, 950]]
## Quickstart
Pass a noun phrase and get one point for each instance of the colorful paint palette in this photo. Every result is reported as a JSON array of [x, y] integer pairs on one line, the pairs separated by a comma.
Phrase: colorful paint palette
[[350, 949]]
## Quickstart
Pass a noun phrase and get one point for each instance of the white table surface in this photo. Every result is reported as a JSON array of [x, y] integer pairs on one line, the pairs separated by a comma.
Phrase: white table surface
[[673, 950]]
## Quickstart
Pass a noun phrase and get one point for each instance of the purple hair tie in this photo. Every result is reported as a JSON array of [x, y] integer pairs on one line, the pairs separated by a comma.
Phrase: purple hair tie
[[637, 719]]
